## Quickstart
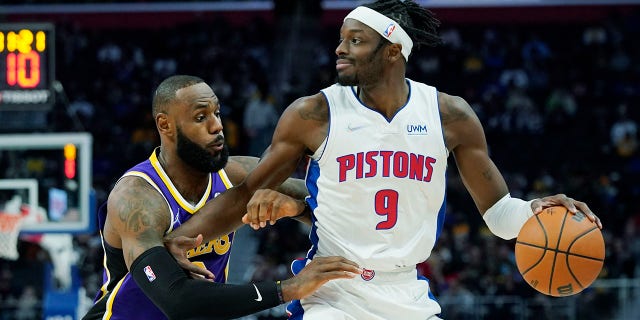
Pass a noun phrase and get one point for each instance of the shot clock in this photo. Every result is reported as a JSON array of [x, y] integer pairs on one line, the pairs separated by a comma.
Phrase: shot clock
[[26, 66]]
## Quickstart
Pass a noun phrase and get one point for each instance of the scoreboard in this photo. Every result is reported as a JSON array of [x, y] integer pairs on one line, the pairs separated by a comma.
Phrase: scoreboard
[[27, 52]]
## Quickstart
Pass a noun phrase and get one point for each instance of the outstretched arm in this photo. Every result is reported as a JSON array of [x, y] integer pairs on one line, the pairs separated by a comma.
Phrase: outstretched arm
[[138, 217], [239, 167], [287, 200], [465, 138], [289, 144]]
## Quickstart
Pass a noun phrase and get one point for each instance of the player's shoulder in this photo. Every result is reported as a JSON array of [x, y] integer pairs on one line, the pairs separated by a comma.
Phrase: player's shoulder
[[448, 101], [310, 101], [312, 107], [453, 108], [460, 123], [132, 186], [238, 167], [134, 196]]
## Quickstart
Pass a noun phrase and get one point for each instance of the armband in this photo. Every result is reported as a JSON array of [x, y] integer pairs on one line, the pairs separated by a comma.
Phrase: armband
[[507, 216], [162, 280]]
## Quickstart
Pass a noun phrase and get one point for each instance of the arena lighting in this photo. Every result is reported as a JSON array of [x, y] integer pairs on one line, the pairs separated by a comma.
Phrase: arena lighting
[[132, 7], [267, 5], [343, 5]]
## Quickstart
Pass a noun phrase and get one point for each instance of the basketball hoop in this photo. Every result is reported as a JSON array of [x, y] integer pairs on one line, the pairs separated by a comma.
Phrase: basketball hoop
[[9, 230]]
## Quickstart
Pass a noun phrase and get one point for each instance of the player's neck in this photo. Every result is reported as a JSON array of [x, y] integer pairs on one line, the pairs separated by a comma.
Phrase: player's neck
[[190, 183], [386, 96]]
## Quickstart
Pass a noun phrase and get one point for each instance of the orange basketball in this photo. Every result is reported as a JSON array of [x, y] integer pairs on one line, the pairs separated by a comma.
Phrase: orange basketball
[[559, 253]]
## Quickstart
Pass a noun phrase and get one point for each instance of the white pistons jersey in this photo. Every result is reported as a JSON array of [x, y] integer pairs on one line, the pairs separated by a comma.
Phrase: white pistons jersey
[[378, 186]]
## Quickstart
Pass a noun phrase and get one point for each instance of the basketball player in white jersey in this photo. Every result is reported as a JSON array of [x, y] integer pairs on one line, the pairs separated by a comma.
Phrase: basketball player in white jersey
[[377, 145]]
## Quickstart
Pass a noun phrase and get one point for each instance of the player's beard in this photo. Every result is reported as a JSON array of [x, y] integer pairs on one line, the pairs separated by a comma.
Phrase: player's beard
[[199, 158], [369, 70]]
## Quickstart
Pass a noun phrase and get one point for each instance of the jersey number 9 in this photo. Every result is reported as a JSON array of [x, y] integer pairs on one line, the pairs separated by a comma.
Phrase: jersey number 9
[[386, 204]]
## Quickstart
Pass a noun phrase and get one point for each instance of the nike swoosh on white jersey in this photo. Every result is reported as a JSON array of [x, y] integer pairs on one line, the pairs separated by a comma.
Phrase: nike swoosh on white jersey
[[258, 292], [354, 127]]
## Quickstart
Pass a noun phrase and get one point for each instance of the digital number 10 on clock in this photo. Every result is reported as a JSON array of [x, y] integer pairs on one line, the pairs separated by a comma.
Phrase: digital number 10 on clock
[[26, 63], [23, 58]]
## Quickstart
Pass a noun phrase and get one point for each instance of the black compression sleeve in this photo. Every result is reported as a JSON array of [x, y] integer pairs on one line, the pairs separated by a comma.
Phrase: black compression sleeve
[[179, 297]]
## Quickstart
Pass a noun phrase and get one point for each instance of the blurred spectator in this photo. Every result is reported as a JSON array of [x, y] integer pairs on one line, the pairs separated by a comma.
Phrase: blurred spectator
[[110, 53], [515, 76], [535, 49], [260, 119], [561, 106], [451, 37], [525, 116], [27, 304], [82, 108], [620, 60], [594, 36], [624, 133], [460, 299]]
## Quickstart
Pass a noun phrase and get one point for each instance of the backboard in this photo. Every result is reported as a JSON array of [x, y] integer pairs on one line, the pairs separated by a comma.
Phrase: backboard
[[47, 178]]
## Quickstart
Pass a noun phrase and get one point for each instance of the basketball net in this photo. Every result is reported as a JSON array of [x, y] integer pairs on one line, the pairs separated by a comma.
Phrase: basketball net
[[9, 229]]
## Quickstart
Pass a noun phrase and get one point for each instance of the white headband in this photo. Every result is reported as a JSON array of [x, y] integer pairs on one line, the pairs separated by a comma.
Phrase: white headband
[[386, 27]]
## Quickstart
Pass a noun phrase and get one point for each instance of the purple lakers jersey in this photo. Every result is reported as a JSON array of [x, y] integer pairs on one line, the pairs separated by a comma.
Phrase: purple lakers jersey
[[120, 297]]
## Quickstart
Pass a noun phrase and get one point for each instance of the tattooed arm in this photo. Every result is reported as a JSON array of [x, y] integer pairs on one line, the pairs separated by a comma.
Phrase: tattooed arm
[[465, 138], [137, 218], [136, 221]]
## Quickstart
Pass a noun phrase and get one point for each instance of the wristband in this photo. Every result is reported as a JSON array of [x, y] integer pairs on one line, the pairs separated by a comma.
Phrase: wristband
[[506, 217]]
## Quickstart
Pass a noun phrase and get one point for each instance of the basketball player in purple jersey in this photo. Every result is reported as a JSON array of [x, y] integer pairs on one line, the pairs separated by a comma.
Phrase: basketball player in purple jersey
[[153, 198], [378, 145]]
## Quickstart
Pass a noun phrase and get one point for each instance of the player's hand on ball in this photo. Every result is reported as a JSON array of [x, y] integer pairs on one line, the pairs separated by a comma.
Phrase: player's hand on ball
[[562, 200], [268, 205], [559, 253], [178, 247], [319, 271]]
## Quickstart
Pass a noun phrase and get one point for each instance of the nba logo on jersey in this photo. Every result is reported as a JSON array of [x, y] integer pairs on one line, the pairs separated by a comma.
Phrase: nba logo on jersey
[[150, 275], [367, 274]]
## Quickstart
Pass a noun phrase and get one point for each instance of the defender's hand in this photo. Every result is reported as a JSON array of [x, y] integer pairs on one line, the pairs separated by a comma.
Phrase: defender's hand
[[178, 247], [562, 200], [270, 205], [319, 271]]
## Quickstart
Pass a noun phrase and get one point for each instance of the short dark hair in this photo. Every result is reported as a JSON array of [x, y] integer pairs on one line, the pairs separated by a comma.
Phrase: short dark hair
[[419, 23], [166, 91]]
